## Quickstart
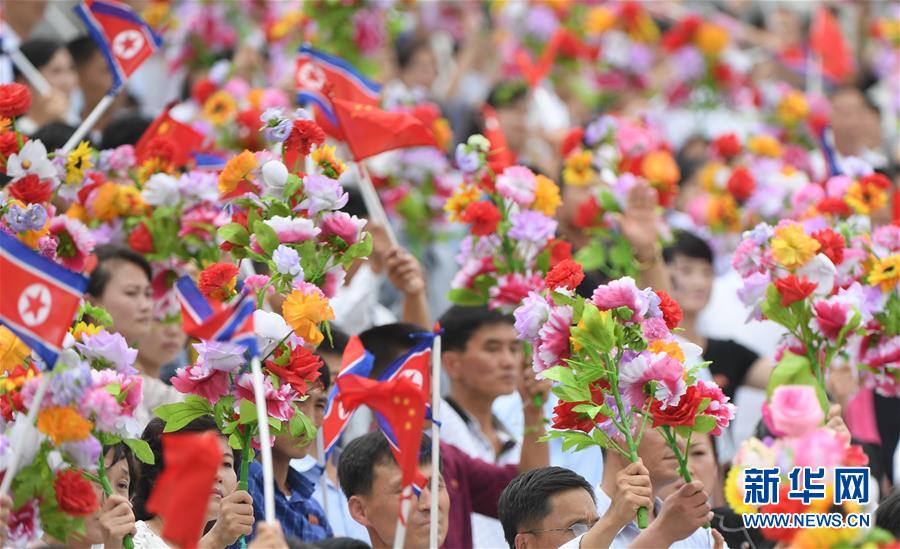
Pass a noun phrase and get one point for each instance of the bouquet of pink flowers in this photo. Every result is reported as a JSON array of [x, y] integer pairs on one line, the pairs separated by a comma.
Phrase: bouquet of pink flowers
[[879, 347]]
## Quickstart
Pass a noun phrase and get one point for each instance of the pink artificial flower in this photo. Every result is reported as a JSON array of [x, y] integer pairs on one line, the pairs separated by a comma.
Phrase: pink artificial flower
[[24, 524], [343, 225], [748, 258], [820, 447], [472, 269], [622, 293], [273, 97], [278, 401], [655, 328], [634, 139], [257, 282], [634, 374], [290, 230], [807, 196], [511, 289], [74, 242], [719, 407], [838, 185], [201, 380], [518, 184], [334, 280], [552, 345], [831, 316], [795, 410], [888, 237], [202, 222], [237, 87], [101, 406]]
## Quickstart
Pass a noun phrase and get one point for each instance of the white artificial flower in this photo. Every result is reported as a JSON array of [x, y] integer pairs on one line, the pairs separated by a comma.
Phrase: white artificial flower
[[275, 175], [32, 159], [161, 190], [822, 272]]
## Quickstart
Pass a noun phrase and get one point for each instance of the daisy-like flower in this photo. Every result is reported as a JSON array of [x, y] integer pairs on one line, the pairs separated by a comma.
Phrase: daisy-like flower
[[32, 159], [885, 273], [78, 162], [220, 108], [324, 158]]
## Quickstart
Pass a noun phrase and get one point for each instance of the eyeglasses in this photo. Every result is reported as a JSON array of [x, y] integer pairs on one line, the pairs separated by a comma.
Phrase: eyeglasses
[[577, 529]]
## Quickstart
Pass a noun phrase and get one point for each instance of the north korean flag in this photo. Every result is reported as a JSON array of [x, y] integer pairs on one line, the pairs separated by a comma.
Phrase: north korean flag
[[211, 320], [124, 38], [358, 361], [39, 297]]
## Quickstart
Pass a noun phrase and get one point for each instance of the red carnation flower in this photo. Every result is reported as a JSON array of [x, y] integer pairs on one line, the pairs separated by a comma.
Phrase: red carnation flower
[[832, 243], [161, 147], [741, 184], [723, 74], [670, 308], [141, 240], [685, 413], [571, 141], [565, 417], [301, 370], [483, 216], [202, 89], [589, 214], [9, 144], [31, 189], [74, 493], [793, 289], [217, 281], [831, 317], [15, 99], [876, 180], [727, 146], [834, 206], [560, 250], [304, 135], [566, 274]]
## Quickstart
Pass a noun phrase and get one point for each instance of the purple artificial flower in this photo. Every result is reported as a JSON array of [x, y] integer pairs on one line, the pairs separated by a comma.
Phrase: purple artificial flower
[[71, 384], [322, 193], [287, 261], [599, 130], [760, 234], [110, 348], [541, 22], [224, 356], [531, 315], [532, 227], [31, 218], [690, 63], [753, 292], [84, 453], [518, 184], [467, 161], [622, 293], [200, 186]]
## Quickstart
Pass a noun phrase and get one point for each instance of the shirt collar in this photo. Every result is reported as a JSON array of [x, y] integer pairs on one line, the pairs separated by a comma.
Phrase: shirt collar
[[507, 440]]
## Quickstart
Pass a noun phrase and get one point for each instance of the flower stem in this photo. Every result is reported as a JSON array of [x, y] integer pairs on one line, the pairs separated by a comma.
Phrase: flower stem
[[642, 516], [244, 480]]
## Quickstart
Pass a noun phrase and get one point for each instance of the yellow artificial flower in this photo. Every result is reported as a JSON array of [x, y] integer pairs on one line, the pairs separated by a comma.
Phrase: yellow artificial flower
[[734, 494], [792, 247], [63, 424], [129, 201], [660, 168], [103, 206], [288, 22], [255, 97], [304, 312], [84, 328], [722, 213], [443, 135], [707, 176], [12, 351], [599, 20], [711, 39], [156, 14], [578, 170], [765, 145], [324, 157], [236, 169], [77, 162], [153, 165], [546, 196], [77, 211], [865, 198], [792, 109], [16, 378], [220, 108], [886, 272], [5, 124], [462, 197], [671, 348]]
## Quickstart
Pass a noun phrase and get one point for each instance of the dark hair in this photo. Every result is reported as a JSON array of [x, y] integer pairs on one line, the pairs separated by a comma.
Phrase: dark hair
[[887, 516], [82, 49], [387, 343], [360, 457], [54, 135], [324, 377], [101, 274], [506, 93], [355, 203], [338, 342], [125, 130], [342, 543], [406, 46], [149, 473], [39, 51], [460, 323], [687, 245], [121, 451], [527, 498]]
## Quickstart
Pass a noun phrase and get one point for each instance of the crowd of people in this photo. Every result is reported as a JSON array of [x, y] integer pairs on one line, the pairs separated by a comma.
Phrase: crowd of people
[[577, 150]]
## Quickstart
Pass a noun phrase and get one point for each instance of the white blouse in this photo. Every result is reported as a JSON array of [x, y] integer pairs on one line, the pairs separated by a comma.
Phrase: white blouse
[[147, 538]]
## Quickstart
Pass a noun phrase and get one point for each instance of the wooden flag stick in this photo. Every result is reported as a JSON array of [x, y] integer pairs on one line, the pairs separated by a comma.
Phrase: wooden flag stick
[[90, 121], [31, 73], [29, 419], [373, 204], [265, 440], [405, 505]]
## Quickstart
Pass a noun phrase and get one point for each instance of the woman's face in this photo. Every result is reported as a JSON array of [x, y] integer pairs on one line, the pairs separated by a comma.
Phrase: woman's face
[[226, 481], [60, 72], [163, 342], [120, 480], [129, 299]]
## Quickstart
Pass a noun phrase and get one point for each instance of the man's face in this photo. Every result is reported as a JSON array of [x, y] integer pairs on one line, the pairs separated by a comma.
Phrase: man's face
[[377, 511], [572, 199], [658, 458], [692, 281], [490, 363], [566, 509], [95, 78]]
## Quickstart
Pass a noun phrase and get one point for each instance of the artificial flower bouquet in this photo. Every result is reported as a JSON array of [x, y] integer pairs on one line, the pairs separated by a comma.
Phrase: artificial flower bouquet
[[512, 244], [614, 154], [618, 366], [879, 346]]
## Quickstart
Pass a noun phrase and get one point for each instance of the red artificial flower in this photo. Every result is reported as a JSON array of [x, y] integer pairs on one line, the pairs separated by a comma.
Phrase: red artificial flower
[[876, 179], [9, 144], [217, 281], [571, 141], [793, 289], [565, 417], [483, 216], [832, 243], [831, 317], [141, 240], [304, 135], [301, 370], [685, 413], [741, 184], [31, 189], [560, 250], [202, 89], [566, 274], [74, 493], [248, 129], [834, 206], [723, 74], [856, 456], [589, 214], [670, 308], [15, 99], [10, 404], [727, 146], [486, 182], [162, 147], [784, 505]]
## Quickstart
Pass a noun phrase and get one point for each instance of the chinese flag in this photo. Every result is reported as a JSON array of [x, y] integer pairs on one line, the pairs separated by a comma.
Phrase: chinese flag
[[827, 41], [183, 489], [401, 403], [186, 138], [369, 130]]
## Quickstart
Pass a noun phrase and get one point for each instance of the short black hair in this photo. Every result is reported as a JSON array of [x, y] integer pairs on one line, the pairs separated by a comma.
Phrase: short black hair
[[461, 322], [126, 129], [102, 274], [54, 135], [387, 343], [887, 516], [688, 245], [406, 46], [121, 451], [341, 543], [39, 51], [324, 377], [82, 49], [506, 93], [355, 204], [337, 343], [527, 498], [360, 457]]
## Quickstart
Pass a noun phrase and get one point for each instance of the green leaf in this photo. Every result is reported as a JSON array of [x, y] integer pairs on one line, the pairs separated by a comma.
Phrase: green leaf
[[292, 186], [591, 257], [608, 201], [247, 411], [301, 427], [280, 209], [97, 314], [775, 312], [363, 248], [266, 237], [141, 450], [179, 414], [788, 371], [234, 233], [562, 374], [598, 330], [466, 297], [704, 424]]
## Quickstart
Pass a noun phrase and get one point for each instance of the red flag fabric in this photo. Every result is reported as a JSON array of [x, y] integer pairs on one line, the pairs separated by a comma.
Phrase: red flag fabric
[[355, 361], [401, 403], [826, 39], [369, 130], [896, 207], [182, 490], [185, 138], [499, 157]]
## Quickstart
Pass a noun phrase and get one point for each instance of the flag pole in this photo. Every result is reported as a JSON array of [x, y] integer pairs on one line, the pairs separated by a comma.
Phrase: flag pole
[[265, 440], [373, 204], [29, 419], [31, 73], [90, 121], [323, 463], [405, 505], [435, 437]]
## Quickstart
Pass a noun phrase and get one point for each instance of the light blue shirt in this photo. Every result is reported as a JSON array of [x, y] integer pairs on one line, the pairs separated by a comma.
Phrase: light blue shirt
[[338, 512]]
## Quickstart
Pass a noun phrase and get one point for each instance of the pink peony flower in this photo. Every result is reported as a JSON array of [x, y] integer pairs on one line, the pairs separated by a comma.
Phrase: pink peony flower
[[668, 372], [257, 282], [290, 230], [795, 410], [101, 406], [511, 289], [719, 407], [343, 225], [552, 345], [278, 401], [334, 280], [203, 222], [517, 183], [655, 328], [622, 293], [201, 380], [819, 447]]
